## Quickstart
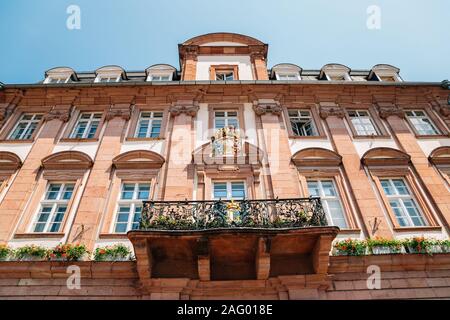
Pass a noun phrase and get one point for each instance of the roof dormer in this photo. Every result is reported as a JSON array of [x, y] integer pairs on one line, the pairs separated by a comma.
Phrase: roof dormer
[[160, 72], [286, 71], [384, 73], [60, 75], [223, 57], [110, 74], [335, 72]]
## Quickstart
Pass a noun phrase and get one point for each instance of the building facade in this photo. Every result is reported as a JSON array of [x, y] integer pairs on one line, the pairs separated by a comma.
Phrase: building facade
[[85, 156]]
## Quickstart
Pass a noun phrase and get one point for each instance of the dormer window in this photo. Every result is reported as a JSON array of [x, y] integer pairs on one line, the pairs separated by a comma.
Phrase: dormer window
[[224, 76], [384, 73], [110, 74], [224, 73], [107, 78], [335, 72], [60, 75], [52, 80], [156, 77], [286, 72], [160, 72]]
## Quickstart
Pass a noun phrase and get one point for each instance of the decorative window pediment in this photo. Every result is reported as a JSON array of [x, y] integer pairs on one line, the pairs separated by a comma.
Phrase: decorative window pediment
[[316, 157], [9, 161], [60, 75], [440, 156], [384, 73], [67, 160], [138, 159], [385, 157]]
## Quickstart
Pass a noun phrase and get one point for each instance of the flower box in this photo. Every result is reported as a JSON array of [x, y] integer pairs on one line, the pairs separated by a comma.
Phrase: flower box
[[118, 252], [378, 249]]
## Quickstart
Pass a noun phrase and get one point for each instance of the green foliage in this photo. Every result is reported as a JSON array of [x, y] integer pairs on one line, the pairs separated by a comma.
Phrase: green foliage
[[68, 252], [351, 247], [111, 253], [4, 252], [31, 251], [394, 246]]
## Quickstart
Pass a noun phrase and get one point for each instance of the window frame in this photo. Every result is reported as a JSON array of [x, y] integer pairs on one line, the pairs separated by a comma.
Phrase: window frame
[[399, 198], [99, 77], [214, 69], [278, 76], [134, 121], [66, 136], [150, 120], [375, 119], [226, 118], [50, 78], [15, 120], [379, 173], [315, 117], [151, 75], [229, 185], [213, 108], [434, 120], [88, 127], [131, 202]]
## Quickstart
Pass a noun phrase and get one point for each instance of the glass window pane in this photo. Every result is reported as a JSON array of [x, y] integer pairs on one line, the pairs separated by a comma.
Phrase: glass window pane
[[53, 191], [127, 191], [313, 188], [238, 190], [220, 190], [328, 188], [144, 191]]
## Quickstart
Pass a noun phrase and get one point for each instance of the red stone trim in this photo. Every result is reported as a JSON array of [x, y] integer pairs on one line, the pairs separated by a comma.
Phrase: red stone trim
[[67, 160], [316, 157], [9, 161], [440, 156], [385, 157], [139, 159]]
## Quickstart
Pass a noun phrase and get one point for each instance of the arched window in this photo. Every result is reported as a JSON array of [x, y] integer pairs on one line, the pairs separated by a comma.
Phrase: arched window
[[440, 158], [321, 175], [400, 189]]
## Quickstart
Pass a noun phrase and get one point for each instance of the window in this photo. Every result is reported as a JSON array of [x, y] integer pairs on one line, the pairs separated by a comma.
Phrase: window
[[288, 76], [53, 207], [340, 77], [54, 80], [86, 126], [108, 78], [362, 122], [25, 127], [156, 77], [225, 119], [130, 206], [302, 123], [421, 122], [387, 78], [402, 203], [224, 75], [229, 190], [149, 124], [326, 190]]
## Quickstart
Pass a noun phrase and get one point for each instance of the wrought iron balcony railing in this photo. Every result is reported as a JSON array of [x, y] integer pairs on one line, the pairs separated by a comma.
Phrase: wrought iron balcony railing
[[268, 213]]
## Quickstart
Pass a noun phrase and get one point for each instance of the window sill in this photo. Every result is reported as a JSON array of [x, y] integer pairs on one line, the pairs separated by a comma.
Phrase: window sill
[[113, 236], [309, 137], [34, 235], [17, 141], [371, 137], [414, 229], [78, 140], [144, 139], [432, 136], [349, 231]]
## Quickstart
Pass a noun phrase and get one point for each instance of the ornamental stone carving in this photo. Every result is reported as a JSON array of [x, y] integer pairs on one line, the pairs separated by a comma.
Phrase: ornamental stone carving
[[329, 109], [387, 109], [60, 112], [190, 109], [271, 106], [119, 110]]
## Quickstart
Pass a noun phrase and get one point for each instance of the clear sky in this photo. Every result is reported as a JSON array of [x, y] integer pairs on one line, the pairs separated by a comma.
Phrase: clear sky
[[414, 35]]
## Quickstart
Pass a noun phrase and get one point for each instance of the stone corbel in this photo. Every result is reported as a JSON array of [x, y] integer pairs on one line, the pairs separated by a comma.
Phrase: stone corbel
[[387, 109], [59, 112], [327, 109], [256, 173], [189, 108], [263, 106], [119, 110], [189, 52]]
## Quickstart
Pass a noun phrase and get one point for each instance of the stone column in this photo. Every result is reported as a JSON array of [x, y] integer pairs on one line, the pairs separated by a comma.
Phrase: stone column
[[278, 163], [21, 189], [432, 182], [259, 62], [190, 62], [91, 207], [179, 171], [371, 211]]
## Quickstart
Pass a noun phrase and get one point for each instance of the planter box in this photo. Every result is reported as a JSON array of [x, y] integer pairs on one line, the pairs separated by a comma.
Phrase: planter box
[[387, 250], [434, 249], [31, 258], [115, 258], [415, 250], [445, 249]]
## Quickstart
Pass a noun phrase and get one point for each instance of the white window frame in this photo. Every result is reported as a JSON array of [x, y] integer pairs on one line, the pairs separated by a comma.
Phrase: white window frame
[[229, 188], [111, 78], [345, 75], [49, 79], [415, 116], [295, 75], [152, 76], [54, 203], [324, 199], [29, 123], [132, 203], [224, 72], [226, 118], [359, 118], [300, 117], [88, 126], [396, 77], [399, 198], [151, 121]]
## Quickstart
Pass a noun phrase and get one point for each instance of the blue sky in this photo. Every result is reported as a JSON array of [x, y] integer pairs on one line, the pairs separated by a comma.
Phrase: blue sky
[[134, 34]]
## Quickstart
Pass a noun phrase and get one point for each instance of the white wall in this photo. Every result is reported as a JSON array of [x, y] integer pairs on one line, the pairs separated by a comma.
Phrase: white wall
[[90, 148], [243, 62], [300, 144], [152, 145], [20, 149], [428, 145], [363, 145]]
